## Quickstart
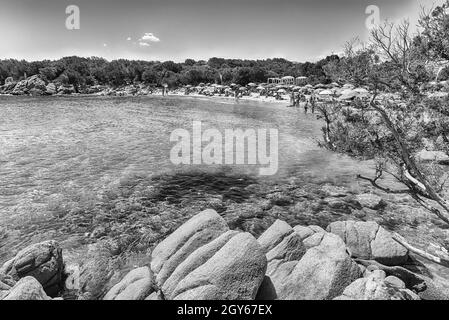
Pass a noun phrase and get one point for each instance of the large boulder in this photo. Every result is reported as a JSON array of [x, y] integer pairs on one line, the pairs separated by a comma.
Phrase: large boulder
[[196, 232], [43, 261], [27, 288], [232, 267], [203, 259], [433, 156], [136, 285], [322, 273], [369, 241]]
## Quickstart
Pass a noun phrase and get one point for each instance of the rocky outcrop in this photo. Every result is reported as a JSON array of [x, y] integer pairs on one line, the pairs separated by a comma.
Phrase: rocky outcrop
[[368, 240], [33, 85], [377, 287], [51, 89], [27, 288], [322, 273], [66, 89], [202, 259], [43, 261], [234, 272], [136, 285], [198, 231], [306, 264], [425, 287]]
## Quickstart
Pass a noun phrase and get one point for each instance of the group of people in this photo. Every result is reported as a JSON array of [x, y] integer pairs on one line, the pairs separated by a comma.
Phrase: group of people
[[297, 98]]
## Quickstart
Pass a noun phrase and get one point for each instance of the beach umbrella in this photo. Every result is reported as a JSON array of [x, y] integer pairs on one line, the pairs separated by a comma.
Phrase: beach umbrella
[[361, 91], [326, 93], [438, 95], [251, 84], [348, 96], [348, 92], [260, 88], [309, 86], [242, 89], [281, 91]]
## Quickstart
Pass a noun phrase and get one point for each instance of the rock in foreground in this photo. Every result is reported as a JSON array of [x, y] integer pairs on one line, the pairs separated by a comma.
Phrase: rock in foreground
[[27, 288], [202, 259], [136, 285], [369, 241], [43, 261]]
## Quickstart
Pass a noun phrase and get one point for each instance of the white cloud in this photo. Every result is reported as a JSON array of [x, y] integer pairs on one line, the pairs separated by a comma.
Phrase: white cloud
[[143, 44], [128, 39], [105, 44], [149, 37]]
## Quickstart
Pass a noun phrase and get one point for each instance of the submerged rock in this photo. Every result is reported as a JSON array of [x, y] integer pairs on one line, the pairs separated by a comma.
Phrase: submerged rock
[[371, 201]]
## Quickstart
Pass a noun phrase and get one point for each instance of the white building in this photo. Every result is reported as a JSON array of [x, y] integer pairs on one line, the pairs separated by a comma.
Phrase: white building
[[288, 81]]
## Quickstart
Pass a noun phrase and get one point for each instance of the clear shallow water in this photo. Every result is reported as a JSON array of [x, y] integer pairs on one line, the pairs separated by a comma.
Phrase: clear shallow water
[[58, 153]]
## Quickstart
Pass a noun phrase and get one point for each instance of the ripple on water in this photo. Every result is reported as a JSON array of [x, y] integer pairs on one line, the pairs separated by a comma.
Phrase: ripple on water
[[62, 158]]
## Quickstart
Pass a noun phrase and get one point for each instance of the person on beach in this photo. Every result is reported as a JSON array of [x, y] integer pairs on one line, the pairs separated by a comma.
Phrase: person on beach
[[292, 99], [298, 100], [312, 103], [306, 104]]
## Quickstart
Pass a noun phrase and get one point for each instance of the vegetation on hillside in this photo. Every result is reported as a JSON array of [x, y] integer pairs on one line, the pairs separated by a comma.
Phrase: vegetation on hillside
[[81, 72]]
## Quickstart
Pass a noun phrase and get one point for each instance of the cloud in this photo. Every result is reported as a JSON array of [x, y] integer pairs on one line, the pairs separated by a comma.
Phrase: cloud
[[105, 44], [143, 44], [149, 37], [128, 39]]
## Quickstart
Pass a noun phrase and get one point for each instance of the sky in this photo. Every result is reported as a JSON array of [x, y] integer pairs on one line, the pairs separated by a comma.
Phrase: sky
[[298, 30]]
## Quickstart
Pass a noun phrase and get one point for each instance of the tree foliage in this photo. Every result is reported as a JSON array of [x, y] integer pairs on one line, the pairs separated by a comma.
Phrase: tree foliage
[[90, 71]]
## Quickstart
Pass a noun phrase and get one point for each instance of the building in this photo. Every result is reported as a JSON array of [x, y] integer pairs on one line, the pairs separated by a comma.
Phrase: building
[[288, 81]]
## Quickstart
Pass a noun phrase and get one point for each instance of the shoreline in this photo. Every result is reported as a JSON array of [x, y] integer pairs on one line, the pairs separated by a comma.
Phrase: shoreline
[[253, 98]]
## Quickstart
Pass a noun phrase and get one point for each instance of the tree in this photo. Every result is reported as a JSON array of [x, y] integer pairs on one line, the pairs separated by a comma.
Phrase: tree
[[398, 121]]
